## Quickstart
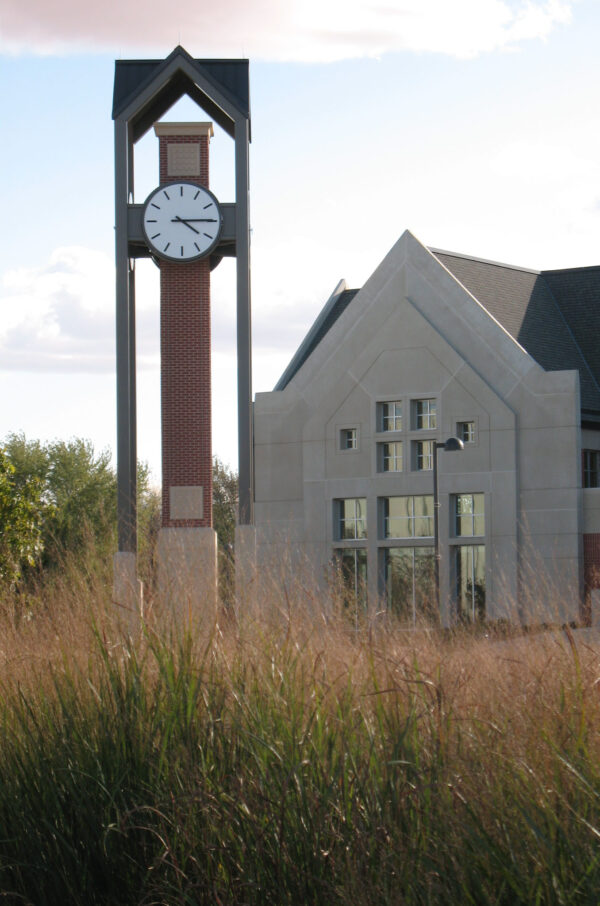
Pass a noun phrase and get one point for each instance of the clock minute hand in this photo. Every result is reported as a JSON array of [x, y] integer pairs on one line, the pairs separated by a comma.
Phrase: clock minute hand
[[185, 223], [197, 219]]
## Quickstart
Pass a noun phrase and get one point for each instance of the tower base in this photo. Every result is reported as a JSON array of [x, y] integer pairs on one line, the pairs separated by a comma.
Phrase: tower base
[[187, 573], [128, 592]]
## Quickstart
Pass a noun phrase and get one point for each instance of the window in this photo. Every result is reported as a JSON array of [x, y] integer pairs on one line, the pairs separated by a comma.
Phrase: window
[[410, 584], [469, 515], [465, 431], [389, 416], [423, 455], [591, 468], [353, 570], [407, 517], [389, 457], [349, 439], [351, 518], [470, 582], [424, 415]]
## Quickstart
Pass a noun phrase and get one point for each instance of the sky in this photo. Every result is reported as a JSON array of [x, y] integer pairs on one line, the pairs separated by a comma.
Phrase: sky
[[474, 124]]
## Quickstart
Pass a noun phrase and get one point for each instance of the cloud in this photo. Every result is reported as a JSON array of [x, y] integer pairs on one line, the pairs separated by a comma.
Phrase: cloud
[[285, 30], [60, 317]]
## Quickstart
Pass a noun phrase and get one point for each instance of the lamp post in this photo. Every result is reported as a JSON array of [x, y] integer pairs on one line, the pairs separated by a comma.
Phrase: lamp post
[[452, 445]]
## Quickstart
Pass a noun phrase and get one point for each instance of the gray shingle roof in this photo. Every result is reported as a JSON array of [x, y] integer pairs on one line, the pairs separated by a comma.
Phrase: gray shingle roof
[[554, 315]]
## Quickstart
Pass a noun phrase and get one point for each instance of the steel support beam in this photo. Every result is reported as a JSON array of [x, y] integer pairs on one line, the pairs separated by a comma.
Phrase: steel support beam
[[244, 332]]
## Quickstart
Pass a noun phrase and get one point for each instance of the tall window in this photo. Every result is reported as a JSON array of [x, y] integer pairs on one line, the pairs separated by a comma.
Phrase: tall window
[[423, 455], [389, 457], [353, 568], [351, 518], [389, 416], [424, 415], [470, 582], [469, 515], [410, 584], [407, 517], [591, 468]]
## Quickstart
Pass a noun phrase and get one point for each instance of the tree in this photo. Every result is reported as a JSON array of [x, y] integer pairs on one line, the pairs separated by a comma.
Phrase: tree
[[21, 516]]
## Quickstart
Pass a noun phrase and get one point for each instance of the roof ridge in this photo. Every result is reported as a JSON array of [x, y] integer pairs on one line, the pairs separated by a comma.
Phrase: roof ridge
[[512, 267]]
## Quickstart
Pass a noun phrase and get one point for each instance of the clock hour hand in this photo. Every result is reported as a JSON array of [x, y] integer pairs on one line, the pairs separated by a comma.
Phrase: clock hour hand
[[185, 222], [196, 219]]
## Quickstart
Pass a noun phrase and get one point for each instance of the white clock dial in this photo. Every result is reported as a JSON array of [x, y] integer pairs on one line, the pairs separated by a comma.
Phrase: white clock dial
[[181, 221]]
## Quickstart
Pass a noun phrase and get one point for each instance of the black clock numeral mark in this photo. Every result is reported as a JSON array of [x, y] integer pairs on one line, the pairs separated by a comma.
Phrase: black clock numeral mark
[[166, 246], [157, 206], [155, 237], [209, 205], [182, 251], [208, 236], [167, 194], [151, 221], [197, 247], [196, 195]]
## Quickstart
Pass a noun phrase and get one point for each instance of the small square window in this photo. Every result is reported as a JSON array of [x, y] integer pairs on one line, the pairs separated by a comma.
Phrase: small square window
[[465, 431], [349, 439], [389, 457], [389, 416], [423, 455], [424, 415]]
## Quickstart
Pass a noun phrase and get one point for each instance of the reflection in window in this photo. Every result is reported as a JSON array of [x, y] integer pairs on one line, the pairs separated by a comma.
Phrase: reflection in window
[[470, 582], [408, 517], [352, 518], [410, 584], [424, 450], [424, 415], [390, 457], [389, 416], [353, 568], [469, 514]]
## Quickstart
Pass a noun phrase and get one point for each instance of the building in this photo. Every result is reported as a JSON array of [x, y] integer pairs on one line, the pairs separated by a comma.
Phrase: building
[[434, 345]]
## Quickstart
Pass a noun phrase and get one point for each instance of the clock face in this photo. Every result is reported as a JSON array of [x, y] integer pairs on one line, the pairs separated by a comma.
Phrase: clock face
[[181, 221]]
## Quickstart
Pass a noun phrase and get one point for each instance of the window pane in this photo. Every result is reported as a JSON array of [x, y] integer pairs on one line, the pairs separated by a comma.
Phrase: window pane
[[410, 584], [391, 457], [390, 416], [466, 432], [425, 414], [424, 455], [469, 514], [353, 566], [470, 582], [408, 517], [352, 518]]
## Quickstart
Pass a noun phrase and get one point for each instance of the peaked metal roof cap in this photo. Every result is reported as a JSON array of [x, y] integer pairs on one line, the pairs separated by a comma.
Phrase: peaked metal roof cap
[[145, 89]]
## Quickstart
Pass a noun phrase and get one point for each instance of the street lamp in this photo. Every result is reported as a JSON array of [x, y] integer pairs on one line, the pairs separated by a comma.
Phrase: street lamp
[[452, 445]]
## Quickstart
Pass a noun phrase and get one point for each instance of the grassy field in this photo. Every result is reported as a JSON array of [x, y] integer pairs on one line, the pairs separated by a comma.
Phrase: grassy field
[[278, 756]]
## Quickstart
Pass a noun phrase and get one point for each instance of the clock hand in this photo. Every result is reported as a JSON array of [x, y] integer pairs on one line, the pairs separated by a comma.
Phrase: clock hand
[[195, 219], [185, 223]]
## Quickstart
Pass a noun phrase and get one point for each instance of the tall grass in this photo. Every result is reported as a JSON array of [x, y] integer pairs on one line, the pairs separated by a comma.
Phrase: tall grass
[[281, 757]]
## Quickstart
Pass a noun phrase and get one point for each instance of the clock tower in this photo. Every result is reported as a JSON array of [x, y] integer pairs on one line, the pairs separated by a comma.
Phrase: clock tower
[[187, 232]]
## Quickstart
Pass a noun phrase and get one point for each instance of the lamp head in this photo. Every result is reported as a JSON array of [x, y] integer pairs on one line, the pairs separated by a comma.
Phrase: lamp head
[[453, 445]]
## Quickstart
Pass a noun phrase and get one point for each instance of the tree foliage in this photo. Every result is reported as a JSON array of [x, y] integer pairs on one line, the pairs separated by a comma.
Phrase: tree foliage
[[22, 511]]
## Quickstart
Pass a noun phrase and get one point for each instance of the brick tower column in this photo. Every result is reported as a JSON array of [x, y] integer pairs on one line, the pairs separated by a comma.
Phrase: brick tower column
[[185, 348], [187, 544]]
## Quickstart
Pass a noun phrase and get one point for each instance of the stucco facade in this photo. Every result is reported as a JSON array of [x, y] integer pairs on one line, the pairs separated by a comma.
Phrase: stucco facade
[[343, 453]]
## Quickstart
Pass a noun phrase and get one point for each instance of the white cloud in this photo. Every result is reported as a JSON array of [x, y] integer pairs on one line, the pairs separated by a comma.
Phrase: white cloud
[[60, 317], [303, 30]]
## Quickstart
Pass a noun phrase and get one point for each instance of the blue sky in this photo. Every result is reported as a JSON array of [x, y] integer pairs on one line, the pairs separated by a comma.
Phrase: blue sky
[[473, 124]]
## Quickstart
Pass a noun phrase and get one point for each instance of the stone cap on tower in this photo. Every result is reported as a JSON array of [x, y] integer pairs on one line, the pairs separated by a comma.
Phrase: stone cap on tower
[[164, 129]]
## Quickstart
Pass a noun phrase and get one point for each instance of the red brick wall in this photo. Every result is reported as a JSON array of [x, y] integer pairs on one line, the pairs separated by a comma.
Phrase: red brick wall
[[185, 363]]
